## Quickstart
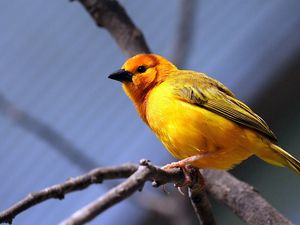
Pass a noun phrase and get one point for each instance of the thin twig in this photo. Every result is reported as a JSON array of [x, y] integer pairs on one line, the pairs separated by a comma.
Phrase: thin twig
[[202, 206], [200, 200], [113, 196], [134, 183], [58, 191]]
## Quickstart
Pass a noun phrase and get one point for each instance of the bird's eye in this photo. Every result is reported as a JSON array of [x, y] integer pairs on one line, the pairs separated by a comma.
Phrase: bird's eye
[[141, 69]]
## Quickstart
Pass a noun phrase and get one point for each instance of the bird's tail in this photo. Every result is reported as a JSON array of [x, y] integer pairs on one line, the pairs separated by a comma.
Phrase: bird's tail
[[279, 157]]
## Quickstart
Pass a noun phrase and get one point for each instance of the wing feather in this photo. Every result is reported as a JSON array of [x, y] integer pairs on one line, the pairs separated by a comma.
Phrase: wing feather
[[214, 96]]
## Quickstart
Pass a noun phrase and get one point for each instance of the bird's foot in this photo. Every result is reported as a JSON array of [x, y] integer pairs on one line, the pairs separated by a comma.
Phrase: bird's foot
[[191, 174]]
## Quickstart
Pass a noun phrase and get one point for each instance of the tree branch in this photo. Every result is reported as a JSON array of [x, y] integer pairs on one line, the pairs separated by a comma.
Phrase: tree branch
[[242, 199], [237, 195], [95, 176], [200, 201], [111, 15], [134, 183], [58, 191]]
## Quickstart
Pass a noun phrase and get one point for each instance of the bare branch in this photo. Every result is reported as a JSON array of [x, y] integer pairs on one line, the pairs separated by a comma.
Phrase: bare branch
[[134, 183], [202, 206], [95, 176], [200, 201], [58, 191], [238, 196], [111, 15], [242, 199]]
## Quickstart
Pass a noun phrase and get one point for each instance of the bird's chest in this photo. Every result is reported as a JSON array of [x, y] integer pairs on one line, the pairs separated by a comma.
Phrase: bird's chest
[[180, 128], [186, 129]]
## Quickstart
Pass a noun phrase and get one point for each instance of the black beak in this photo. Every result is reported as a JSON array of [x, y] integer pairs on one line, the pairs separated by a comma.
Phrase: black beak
[[121, 75]]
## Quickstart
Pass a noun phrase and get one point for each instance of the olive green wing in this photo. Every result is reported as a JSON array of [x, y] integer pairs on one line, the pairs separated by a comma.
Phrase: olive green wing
[[211, 96]]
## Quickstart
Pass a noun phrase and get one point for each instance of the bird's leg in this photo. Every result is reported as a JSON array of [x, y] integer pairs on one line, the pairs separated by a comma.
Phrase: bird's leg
[[187, 169], [182, 163]]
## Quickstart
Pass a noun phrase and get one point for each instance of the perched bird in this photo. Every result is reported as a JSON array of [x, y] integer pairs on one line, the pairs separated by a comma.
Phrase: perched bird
[[197, 118]]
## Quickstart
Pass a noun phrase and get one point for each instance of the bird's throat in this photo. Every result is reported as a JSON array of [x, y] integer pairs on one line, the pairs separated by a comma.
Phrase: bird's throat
[[139, 98]]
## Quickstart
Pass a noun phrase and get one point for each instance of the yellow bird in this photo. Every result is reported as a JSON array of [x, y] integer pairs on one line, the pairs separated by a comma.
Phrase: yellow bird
[[197, 118]]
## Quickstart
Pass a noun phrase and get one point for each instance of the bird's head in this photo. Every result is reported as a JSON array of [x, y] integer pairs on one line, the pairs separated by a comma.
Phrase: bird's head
[[141, 73]]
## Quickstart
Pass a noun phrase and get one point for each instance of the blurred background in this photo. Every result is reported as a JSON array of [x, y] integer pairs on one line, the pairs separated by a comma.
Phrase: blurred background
[[60, 116]]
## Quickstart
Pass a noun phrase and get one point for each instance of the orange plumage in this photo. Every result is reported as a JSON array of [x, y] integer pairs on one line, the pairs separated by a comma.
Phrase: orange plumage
[[197, 118]]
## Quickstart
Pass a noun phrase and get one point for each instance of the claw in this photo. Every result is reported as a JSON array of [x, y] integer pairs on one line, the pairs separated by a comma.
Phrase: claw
[[188, 172], [188, 180], [185, 169], [179, 190]]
